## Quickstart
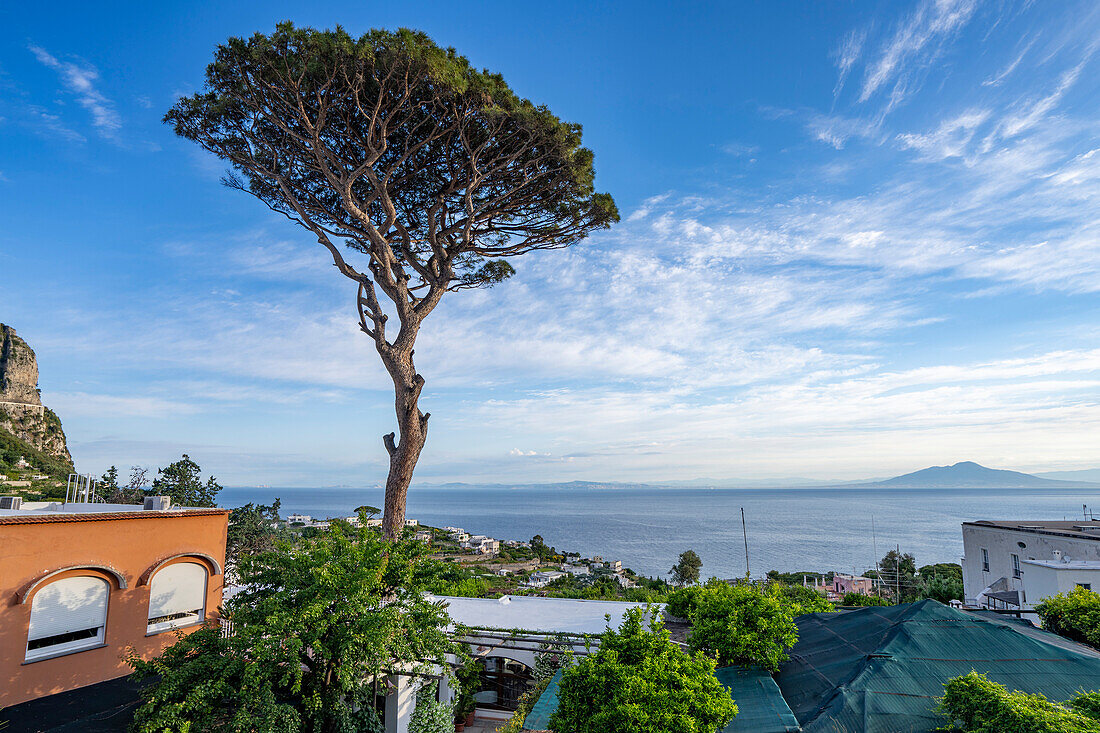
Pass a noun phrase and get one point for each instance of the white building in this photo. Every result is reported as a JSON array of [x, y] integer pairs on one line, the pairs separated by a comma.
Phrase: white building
[[299, 519], [576, 569], [411, 523], [543, 578], [1015, 564]]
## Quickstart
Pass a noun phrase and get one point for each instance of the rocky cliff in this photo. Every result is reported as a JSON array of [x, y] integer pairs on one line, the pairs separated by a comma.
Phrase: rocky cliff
[[21, 411]]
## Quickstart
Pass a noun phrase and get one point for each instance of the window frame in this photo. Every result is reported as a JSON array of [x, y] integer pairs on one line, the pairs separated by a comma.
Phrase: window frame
[[985, 560], [1016, 572], [179, 620], [96, 640]]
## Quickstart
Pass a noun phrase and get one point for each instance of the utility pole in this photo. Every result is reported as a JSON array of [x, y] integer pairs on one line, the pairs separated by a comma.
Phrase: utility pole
[[874, 549], [897, 574], [745, 532]]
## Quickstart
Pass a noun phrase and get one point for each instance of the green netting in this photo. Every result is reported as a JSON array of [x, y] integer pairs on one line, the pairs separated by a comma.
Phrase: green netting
[[880, 670], [760, 704], [544, 707]]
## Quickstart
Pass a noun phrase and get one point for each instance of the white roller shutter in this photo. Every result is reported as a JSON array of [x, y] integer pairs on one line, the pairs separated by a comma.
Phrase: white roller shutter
[[67, 606], [178, 589]]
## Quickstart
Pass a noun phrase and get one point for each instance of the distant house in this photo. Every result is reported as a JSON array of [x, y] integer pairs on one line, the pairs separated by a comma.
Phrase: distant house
[[411, 523], [842, 584], [374, 522], [615, 566], [423, 536], [576, 569], [299, 519], [543, 578]]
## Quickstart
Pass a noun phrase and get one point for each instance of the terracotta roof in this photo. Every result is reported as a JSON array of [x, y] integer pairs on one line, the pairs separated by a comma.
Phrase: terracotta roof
[[36, 518]]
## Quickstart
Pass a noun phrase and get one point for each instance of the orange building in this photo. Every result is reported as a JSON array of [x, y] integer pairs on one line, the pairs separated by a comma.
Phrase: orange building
[[83, 584]]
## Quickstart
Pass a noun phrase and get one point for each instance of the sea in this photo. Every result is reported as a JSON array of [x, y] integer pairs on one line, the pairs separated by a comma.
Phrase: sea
[[789, 530]]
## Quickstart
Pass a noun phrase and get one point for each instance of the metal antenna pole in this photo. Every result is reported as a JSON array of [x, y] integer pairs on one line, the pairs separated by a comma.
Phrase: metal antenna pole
[[745, 532], [874, 549]]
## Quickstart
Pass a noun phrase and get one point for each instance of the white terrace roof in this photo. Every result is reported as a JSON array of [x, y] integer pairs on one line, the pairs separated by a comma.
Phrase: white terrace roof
[[537, 614]]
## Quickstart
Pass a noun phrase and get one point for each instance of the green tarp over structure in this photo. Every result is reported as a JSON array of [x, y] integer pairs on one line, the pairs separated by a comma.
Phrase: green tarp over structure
[[880, 669], [544, 707], [760, 705]]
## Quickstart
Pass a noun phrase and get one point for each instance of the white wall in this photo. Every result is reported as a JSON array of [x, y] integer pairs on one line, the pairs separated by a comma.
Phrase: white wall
[[1002, 544], [1042, 581]]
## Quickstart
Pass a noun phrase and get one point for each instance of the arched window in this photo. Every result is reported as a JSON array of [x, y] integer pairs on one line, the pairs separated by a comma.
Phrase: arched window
[[177, 597], [503, 682], [67, 615]]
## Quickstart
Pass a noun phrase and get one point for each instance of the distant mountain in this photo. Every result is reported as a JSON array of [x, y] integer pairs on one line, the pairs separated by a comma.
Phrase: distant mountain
[[969, 475], [1088, 474]]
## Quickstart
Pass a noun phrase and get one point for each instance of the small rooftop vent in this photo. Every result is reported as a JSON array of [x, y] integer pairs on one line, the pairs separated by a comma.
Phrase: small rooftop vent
[[11, 502], [157, 503]]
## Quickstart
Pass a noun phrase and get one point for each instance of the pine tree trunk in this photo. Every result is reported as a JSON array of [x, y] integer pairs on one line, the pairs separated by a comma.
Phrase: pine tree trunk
[[404, 448]]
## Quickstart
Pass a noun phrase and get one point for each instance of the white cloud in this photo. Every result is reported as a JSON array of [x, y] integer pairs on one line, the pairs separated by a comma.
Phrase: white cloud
[[81, 80], [917, 37]]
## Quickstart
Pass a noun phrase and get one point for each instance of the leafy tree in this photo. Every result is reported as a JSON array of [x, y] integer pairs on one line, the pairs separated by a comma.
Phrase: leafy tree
[[976, 704], [686, 570], [640, 682], [434, 172], [182, 481], [801, 599], [1074, 615], [252, 528], [108, 482], [898, 572], [744, 625], [858, 599], [112, 493], [313, 623], [683, 601]]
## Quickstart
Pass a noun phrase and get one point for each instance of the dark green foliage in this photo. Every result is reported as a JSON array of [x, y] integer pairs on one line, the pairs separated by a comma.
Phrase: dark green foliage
[[315, 621], [858, 599], [640, 682], [253, 528], [744, 625], [942, 588], [802, 599], [686, 570], [682, 601], [899, 574], [1087, 703], [467, 682], [12, 449], [797, 578], [182, 481], [976, 704], [1074, 615], [272, 101]]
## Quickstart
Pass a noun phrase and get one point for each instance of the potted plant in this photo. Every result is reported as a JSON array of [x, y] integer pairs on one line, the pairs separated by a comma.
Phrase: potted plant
[[468, 680]]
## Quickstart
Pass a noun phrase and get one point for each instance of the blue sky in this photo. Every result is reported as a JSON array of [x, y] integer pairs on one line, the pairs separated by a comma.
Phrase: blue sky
[[857, 239]]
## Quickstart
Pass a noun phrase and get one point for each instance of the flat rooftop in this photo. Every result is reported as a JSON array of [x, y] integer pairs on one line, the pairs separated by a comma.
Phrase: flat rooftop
[[533, 613], [47, 511], [1082, 529]]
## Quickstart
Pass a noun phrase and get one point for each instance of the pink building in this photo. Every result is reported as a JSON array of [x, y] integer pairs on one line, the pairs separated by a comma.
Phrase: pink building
[[843, 583]]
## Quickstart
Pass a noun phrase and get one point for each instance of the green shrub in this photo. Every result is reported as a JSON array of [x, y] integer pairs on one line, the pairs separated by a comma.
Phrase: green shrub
[[1074, 615], [858, 599], [640, 682], [740, 624], [803, 599], [682, 602], [1087, 703], [979, 705], [430, 715]]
